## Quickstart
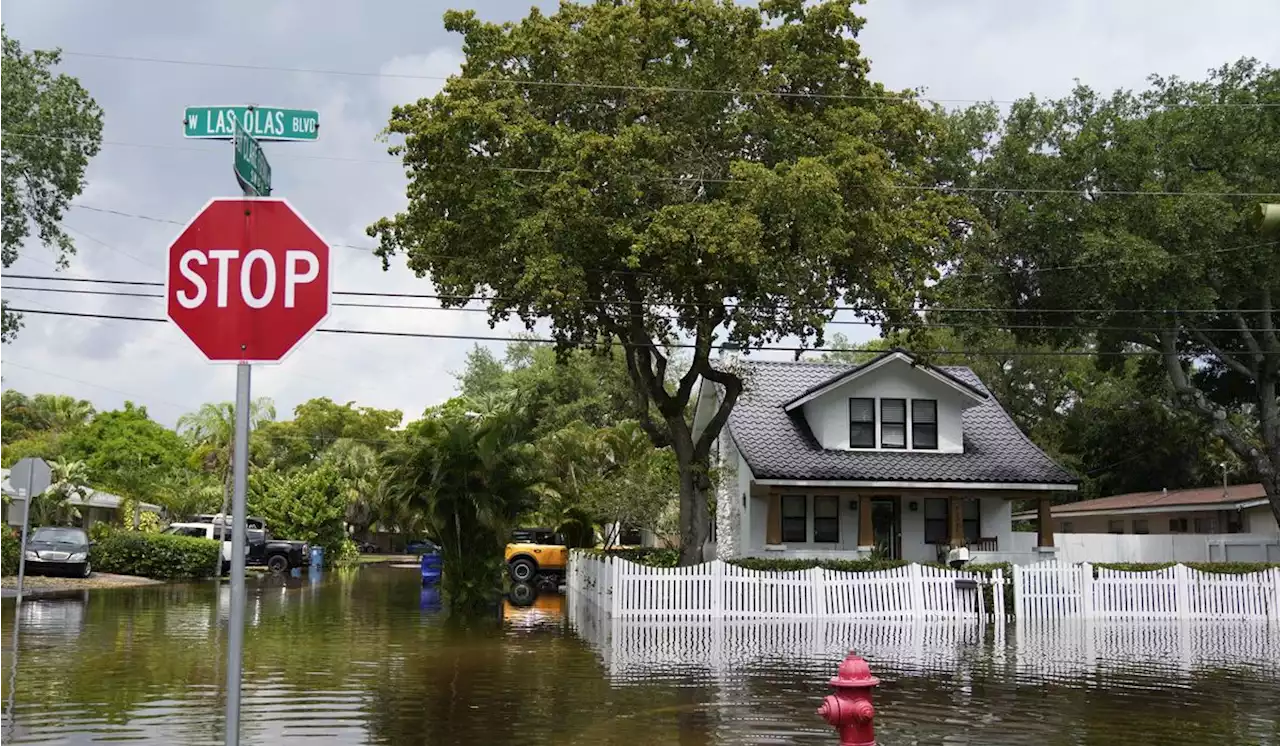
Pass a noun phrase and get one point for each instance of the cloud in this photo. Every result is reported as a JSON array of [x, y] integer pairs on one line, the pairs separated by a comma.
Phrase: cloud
[[343, 182], [432, 68]]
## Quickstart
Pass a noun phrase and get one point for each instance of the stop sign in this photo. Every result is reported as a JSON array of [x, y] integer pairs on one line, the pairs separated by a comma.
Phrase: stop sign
[[247, 279]]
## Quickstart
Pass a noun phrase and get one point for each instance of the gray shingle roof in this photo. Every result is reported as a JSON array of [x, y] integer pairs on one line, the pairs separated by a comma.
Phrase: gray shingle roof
[[778, 445]]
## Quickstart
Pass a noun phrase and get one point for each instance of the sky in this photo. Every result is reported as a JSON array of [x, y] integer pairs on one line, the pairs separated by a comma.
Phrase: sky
[[958, 52]]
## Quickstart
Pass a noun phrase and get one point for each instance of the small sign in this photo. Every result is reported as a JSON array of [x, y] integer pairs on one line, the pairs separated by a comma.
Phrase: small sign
[[263, 122], [30, 476], [251, 167]]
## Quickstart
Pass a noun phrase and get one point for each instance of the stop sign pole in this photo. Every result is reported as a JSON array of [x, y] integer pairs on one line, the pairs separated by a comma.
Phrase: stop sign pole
[[248, 279]]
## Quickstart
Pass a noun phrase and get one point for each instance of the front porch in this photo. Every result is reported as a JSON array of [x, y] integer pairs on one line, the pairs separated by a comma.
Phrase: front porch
[[914, 525]]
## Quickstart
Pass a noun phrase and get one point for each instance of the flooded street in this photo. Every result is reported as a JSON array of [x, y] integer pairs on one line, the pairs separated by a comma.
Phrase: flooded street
[[364, 657]]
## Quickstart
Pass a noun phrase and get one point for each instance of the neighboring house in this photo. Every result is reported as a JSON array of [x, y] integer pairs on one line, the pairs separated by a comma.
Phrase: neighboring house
[[836, 460], [1238, 509], [94, 507]]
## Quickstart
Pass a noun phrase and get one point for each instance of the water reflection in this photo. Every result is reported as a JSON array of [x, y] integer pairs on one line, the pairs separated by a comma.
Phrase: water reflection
[[368, 657]]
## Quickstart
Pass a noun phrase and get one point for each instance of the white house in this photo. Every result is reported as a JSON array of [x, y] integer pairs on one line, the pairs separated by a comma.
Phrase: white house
[[837, 461]]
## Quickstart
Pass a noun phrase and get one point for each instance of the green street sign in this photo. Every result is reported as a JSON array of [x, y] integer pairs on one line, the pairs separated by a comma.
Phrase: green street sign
[[263, 122], [251, 167]]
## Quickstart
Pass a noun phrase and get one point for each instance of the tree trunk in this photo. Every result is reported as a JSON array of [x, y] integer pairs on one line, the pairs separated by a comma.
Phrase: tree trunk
[[695, 519]]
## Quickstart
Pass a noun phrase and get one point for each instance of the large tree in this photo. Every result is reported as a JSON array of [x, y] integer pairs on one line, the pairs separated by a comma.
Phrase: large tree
[[646, 172], [1126, 222], [51, 128]]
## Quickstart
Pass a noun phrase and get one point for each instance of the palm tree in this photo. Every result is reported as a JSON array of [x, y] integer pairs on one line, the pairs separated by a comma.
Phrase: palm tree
[[469, 474], [211, 429], [363, 483], [61, 413], [185, 493], [53, 506]]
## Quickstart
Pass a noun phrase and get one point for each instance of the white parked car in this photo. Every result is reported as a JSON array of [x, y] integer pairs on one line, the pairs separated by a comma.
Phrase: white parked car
[[206, 531]]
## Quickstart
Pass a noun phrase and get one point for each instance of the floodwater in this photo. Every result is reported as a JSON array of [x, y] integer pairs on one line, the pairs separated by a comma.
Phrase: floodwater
[[364, 657]]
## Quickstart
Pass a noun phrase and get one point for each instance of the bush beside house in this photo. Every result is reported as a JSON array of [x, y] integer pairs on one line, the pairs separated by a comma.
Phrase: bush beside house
[[9, 549], [159, 556]]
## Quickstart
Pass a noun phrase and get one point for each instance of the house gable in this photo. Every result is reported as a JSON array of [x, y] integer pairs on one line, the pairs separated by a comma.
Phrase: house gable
[[780, 447], [893, 381]]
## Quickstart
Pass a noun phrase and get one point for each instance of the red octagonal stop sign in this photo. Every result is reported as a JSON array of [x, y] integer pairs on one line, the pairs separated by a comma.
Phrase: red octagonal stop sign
[[248, 279]]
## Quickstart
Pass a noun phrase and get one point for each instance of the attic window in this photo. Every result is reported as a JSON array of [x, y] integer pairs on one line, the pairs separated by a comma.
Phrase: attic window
[[924, 423], [862, 423], [893, 423]]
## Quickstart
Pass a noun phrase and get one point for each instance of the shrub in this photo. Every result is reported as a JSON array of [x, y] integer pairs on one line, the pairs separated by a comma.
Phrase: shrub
[[9, 549], [348, 554], [160, 556], [651, 556]]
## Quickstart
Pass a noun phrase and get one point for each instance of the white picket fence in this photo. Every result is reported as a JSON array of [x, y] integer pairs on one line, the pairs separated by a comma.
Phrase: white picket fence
[[1053, 590], [719, 590]]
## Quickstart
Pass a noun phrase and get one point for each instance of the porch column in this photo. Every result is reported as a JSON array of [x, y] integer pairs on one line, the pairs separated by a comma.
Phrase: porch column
[[955, 522], [1044, 523], [866, 533]]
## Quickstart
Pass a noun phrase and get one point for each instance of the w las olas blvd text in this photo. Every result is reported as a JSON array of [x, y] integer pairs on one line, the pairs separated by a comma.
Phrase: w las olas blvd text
[[262, 122], [300, 268]]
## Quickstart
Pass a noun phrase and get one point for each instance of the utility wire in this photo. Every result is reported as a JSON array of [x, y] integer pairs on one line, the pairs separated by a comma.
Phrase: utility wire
[[616, 343], [579, 84], [836, 322], [1084, 192]]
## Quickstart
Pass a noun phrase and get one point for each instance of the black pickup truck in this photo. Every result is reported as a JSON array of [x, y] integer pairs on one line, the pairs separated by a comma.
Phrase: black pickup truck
[[278, 555]]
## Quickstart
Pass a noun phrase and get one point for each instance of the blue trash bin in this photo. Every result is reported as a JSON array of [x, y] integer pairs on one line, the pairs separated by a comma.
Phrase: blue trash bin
[[317, 558], [431, 568]]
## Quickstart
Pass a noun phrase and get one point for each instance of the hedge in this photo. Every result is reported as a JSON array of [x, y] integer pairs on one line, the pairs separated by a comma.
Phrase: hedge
[[9, 549], [159, 556]]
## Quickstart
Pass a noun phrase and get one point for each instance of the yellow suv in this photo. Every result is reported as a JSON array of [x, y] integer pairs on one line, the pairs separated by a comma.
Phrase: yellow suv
[[534, 553]]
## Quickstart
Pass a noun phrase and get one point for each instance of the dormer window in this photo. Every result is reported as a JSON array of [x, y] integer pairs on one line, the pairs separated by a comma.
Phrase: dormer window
[[862, 423], [893, 423], [924, 424]]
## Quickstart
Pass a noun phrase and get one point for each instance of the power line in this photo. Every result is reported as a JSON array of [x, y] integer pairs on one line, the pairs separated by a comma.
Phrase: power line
[[615, 343], [530, 83], [835, 322], [1083, 192], [583, 84]]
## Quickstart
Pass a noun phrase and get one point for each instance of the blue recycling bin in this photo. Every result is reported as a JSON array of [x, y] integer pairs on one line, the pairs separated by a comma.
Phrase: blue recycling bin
[[431, 568], [317, 558]]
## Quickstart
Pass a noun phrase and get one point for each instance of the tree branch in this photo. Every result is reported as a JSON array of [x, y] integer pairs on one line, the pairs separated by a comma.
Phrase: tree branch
[[1194, 400], [732, 390], [1229, 360]]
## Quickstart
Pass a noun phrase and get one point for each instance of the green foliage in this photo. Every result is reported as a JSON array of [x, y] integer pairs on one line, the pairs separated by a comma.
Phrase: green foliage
[[10, 550], [347, 554], [469, 474], [127, 452], [53, 507], [48, 445], [100, 530], [41, 174], [318, 424], [637, 216], [160, 556], [1135, 256], [26, 416], [306, 505]]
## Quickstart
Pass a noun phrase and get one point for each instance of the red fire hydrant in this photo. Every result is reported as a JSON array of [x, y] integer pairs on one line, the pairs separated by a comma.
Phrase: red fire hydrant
[[849, 710]]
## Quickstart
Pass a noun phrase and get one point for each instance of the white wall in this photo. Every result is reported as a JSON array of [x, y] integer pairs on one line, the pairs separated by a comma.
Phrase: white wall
[[828, 415], [1141, 548], [1261, 520]]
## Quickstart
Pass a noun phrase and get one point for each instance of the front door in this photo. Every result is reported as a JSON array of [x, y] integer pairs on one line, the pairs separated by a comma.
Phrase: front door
[[885, 526]]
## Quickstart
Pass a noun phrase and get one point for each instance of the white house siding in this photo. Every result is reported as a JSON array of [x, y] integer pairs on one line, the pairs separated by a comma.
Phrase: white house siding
[[828, 415], [1142, 548], [1261, 520]]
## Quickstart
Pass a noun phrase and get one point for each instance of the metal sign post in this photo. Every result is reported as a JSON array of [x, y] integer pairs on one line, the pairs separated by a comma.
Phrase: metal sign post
[[220, 249], [34, 474], [240, 478]]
